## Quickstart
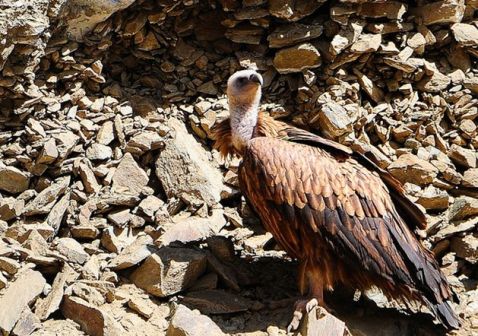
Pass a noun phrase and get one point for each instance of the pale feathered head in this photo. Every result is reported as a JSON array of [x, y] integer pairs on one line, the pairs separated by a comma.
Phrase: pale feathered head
[[244, 88]]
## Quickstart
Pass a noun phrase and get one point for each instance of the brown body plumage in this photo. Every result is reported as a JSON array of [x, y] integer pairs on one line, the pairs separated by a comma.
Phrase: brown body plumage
[[345, 219]]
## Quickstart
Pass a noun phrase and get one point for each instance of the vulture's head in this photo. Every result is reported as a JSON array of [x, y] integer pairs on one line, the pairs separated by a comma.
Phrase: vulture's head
[[244, 88]]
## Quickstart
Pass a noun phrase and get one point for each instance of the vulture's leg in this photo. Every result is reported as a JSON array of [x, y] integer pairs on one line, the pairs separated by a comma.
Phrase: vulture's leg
[[311, 281]]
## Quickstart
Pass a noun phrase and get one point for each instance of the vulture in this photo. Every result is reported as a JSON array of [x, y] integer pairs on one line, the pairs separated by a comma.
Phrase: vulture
[[346, 220]]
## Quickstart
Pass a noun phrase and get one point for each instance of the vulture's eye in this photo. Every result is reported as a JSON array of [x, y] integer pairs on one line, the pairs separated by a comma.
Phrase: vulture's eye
[[242, 80]]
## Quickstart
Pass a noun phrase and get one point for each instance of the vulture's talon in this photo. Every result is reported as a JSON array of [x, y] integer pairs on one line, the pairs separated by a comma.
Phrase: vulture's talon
[[294, 324], [309, 306]]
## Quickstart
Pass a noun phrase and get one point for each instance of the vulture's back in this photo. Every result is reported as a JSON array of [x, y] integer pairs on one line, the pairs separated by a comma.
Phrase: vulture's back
[[338, 216]]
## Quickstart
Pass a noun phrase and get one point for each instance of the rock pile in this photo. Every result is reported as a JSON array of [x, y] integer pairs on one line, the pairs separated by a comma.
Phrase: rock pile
[[105, 161]]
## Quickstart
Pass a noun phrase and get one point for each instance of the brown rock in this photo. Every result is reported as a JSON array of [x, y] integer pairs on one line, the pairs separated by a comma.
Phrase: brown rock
[[46, 199], [462, 156], [169, 271], [51, 303], [472, 84], [10, 208], [72, 250], [366, 43], [393, 10], [333, 120], [465, 34], [319, 319], [286, 35], [466, 247], [49, 152], [447, 11], [435, 83], [297, 58], [19, 294], [433, 198], [409, 168], [89, 179], [92, 320], [99, 152], [13, 180], [470, 178], [192, 229], [293, 10], [106, 134], [129, 177], [9, 265], [216, 301], [369, 87], [463, 207], [186, 322], [27, 323], [185, 171], [133, 254]]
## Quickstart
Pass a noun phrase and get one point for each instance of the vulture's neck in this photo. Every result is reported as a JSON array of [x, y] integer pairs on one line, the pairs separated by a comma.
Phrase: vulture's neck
[[243, 122]]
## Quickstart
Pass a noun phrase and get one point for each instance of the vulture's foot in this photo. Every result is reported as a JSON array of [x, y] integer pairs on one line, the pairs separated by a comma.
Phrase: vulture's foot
[[304, 306]]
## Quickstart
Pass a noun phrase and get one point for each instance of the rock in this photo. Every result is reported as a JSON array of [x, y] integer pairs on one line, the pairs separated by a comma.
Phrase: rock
[[319, 322], [215, 301], [462, 156], [298, 58], [106, 134], [186, 322], [55, 217], [465, 34], [247, 34], [169, 271], [185, 171], [120, 217], [133, 254], [150, 205], [89, 179], [409, 168], [192, 229], [83, 17], [144, 142], [129, 177], [18, 295], [287, 35], [434, 83], [72, 250], [10, 208], [46, 199], [13, 180], [463, 207], [49, 152], [92, 320], [333, 120], [433, 198], [447, 11], [291, 10], [208, 88], [470, 178], [141, 306], [466, 247], [369, 87], [51, 303], [99, 152], [366, 43], [393, 10], [472, 84], [27, 323], [9, 265]]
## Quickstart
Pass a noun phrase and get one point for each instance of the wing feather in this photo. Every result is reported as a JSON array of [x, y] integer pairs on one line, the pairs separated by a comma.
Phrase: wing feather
[[339, 203]]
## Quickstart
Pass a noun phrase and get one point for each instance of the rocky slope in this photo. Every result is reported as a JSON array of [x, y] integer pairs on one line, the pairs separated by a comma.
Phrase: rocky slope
[[117, 218]]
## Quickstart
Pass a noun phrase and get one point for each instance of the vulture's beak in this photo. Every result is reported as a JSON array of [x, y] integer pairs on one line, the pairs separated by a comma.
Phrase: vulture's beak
[[256, 78]]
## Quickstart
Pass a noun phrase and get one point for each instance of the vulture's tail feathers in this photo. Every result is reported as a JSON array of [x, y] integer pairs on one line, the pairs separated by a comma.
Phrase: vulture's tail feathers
[[445, 314]]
